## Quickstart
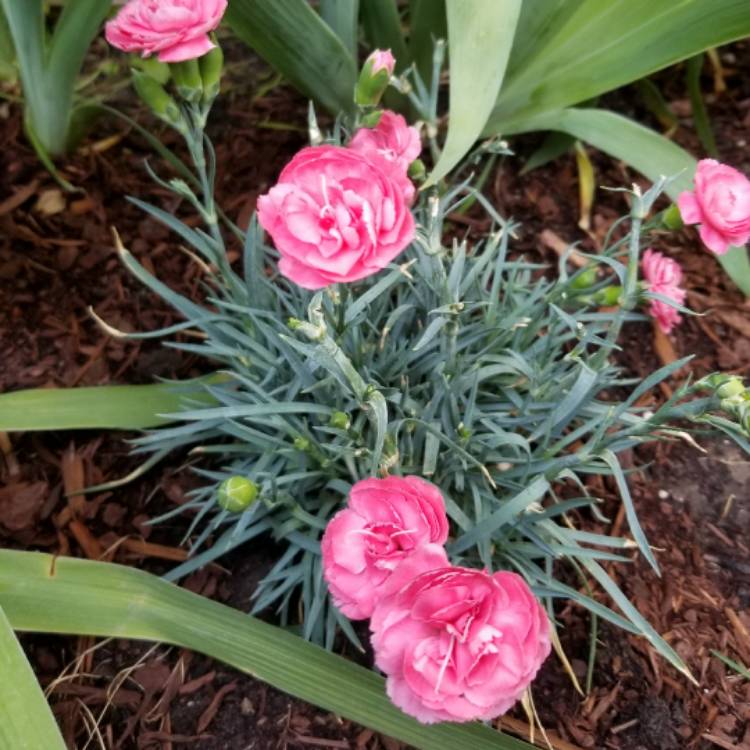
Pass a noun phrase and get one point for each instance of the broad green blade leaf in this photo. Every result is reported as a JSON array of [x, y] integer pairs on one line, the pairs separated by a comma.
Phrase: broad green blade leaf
[[343, 18], [701, 120], [293, 38], [49, 68], [37, 590], [427, 23], [27, 722], [646, 151], [480, 35], [114, 407], [7, 52], [382, 25], [574, 50]]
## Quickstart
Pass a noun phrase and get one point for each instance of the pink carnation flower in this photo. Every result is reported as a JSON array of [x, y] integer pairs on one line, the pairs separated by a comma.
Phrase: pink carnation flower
[[335, 216], [458, 644], [394, 145], [175, 29], [387, 521], [663, 276], [720, 204]]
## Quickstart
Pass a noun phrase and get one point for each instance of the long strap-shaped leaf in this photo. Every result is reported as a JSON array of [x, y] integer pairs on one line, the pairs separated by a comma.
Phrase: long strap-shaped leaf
[[573, 50], [63, 595], [293, 38], [116, 407], [646, 150], [49, 67], [26, 722], [480, 34]]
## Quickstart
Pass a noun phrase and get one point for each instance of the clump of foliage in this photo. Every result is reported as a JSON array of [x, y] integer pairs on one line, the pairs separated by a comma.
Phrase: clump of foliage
[[463, 363]]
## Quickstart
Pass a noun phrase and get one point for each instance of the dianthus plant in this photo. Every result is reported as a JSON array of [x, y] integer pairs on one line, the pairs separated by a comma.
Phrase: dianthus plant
[[460, 362]]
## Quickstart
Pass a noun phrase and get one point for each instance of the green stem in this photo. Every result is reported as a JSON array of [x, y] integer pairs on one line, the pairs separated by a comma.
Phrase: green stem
[[630, 296]]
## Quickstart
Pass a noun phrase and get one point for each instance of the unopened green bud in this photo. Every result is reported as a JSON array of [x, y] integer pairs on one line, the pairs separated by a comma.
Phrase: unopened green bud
[[302, 444], [609, 296], [463, 431], [237, 494], [294, 324], [187, 78], [371, 119], [585, 279], [340, 420], [153, 67], [211, 66], [157, 99], [672, 219], [730, 388], [374, 78], [417, 170]]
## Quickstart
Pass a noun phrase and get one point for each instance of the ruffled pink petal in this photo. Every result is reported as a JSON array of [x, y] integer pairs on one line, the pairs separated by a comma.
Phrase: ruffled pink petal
[[187, 50], [713, 239], [690, 209]]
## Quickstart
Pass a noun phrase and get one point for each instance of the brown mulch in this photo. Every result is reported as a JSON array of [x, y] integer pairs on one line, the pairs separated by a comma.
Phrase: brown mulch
[[57, 259]]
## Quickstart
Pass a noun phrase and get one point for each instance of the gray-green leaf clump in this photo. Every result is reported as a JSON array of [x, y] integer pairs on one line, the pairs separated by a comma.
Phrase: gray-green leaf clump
[[463, 363]]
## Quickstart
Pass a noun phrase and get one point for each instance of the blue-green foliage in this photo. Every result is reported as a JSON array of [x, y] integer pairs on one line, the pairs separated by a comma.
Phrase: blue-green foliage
[[462, 363]]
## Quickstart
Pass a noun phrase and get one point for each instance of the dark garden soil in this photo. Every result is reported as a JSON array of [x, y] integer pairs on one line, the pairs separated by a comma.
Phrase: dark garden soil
[[57, 259]]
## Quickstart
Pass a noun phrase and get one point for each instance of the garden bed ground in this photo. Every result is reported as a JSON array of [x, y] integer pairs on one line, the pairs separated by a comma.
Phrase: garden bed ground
[[57, 259]]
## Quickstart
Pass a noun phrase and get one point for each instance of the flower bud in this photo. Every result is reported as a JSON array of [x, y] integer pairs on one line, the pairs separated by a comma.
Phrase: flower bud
[[371, 119], [187, 78], [417, 171], [374, 78], [237, 494], [211, 66], [585, 279], [157, 99], [302, 444], [609, 296], [340, 420], [732, 387], [672, 219]]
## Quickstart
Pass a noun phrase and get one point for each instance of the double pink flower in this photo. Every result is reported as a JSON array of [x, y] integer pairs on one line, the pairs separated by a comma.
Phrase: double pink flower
[[340, 214], [663, 276], [176, 30], [456, 644], [720, 203]]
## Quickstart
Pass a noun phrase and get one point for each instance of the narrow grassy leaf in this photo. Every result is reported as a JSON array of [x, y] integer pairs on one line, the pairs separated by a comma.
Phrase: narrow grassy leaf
[[37, 592], [27, 722], [508, 510]]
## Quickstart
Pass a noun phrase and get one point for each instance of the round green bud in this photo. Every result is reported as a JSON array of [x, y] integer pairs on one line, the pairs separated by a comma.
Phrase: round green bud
[[732, 387], [211, 65], [340, 420], [301, 443], [187, 78], [609, 296], [237, 494], [153, 94], [672, 219], [417, 171], [585, 279], [371, 119]]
